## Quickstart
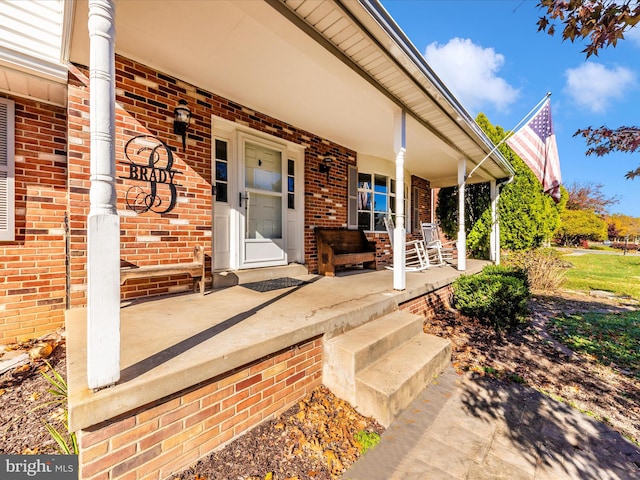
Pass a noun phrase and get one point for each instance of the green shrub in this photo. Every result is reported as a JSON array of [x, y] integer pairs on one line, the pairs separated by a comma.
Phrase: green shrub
[[544, 267], [498, 296]]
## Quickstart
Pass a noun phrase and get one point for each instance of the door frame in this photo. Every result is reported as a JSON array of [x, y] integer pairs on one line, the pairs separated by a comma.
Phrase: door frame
[[293, 226]]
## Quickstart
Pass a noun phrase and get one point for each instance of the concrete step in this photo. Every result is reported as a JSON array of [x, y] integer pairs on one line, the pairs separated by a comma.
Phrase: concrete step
[[388, 386], [347, 354], [239, 277]]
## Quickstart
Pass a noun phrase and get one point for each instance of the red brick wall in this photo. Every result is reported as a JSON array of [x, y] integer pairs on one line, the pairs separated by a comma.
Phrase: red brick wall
[[428, 305], [145, 102], [32, 289], [167, 437]]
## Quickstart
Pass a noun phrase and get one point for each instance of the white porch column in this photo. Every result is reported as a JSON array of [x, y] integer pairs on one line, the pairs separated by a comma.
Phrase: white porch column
[[103, 224], [495, 225], [399, 234], [462, 235]]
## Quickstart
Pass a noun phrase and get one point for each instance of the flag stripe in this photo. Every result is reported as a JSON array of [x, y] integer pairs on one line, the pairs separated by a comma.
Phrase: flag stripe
[[535, 144]]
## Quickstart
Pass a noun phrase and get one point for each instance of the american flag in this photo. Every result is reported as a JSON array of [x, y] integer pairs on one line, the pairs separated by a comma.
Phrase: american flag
[[535, 144]]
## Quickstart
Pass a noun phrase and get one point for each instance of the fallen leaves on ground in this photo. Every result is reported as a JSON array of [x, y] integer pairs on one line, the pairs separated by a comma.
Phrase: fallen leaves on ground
[[313, 440]]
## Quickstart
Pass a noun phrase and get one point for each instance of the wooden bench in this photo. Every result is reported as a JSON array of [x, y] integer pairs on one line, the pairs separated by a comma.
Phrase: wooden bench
[[195, 269], [339, 247]]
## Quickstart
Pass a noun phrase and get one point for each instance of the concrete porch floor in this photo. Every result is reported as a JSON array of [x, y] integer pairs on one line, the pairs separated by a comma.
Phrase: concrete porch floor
[[172, 343]]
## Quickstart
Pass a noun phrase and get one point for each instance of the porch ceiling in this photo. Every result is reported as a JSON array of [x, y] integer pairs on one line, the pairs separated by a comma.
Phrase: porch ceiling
[[341, 70]]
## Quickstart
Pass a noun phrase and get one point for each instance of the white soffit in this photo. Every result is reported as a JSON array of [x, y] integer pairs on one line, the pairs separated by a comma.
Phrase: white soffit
[[32, 62], [379, 48]]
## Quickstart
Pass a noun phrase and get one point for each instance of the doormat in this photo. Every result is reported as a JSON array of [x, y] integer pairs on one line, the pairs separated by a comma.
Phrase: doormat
[[273, 284]]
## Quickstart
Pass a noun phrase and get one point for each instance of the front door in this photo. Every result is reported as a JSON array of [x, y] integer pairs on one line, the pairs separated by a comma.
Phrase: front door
[[261, 207]]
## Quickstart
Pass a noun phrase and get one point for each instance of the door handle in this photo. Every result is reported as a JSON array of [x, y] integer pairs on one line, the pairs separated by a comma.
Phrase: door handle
[[242, 197]]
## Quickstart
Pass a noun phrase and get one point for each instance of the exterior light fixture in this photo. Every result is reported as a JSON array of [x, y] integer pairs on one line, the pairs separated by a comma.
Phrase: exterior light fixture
[[325, 166], [182, 118]]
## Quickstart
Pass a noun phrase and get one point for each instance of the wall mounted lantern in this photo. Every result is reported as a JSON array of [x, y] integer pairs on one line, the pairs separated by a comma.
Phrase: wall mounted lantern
[[325, 166], [182, 117]]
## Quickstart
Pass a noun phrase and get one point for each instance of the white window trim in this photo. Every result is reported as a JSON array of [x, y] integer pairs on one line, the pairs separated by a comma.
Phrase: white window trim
[[7, 171]]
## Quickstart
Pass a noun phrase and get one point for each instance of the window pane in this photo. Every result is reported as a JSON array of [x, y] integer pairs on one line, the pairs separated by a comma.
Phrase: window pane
[[290, 187], [291, 201], [380, 203], [381, 184], [221, 192], [221, 150], [364, 181], [221, 171], [392, 204], [364, 220], [379, 219], [393, 186], [364, 201], [291, 168]]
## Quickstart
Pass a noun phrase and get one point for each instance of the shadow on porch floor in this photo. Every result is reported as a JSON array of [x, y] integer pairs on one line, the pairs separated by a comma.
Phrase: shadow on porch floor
[[172, 343]]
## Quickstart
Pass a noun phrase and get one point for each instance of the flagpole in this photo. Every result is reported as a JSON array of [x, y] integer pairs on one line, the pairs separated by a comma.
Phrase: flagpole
[[511, 132]]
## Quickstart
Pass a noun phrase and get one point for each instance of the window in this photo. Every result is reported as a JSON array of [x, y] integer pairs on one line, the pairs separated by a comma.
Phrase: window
[[7, 170], [222, 170], [376, 199], [291, 183]]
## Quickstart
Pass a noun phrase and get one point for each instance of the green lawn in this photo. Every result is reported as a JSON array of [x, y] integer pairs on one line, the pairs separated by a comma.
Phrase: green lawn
[[619, 274], [612, 339]]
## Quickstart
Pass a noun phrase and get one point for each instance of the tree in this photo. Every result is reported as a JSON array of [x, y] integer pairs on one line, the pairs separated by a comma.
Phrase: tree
[[604, 23], [589, 196], [528, 217], [604, 140], [579, 225], [621, 226]]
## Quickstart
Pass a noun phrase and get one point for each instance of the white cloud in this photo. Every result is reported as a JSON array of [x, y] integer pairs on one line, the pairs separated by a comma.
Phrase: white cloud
[[471, 73], [593, 86]]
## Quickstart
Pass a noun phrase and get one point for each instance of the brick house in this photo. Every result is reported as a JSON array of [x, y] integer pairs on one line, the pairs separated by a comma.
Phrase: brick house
[[303, 114]]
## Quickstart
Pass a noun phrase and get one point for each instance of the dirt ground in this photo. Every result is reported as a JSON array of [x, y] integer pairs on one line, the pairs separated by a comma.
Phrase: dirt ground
[[316, 439]]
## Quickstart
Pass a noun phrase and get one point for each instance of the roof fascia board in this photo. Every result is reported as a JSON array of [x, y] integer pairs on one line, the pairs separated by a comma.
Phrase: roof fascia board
[[68, 12], [33, 66]]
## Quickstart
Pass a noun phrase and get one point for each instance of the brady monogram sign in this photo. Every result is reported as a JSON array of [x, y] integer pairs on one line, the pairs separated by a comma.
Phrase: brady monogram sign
[[150, 161]]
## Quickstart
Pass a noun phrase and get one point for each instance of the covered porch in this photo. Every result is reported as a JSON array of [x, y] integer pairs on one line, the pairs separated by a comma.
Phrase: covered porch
[[171, 344]]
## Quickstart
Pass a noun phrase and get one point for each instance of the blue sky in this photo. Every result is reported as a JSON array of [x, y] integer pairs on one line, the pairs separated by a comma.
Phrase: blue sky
[[491, 57]]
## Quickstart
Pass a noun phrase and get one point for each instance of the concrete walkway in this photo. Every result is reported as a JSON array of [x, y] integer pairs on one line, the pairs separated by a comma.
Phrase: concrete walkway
[[474, 428]]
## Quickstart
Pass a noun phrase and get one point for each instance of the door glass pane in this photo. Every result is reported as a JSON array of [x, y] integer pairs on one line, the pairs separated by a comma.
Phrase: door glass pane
[[221, 171], [221, 150], [263, 169], [221, 192]]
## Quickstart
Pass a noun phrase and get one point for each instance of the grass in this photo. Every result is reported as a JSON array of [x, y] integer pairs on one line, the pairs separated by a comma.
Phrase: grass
[[619, 274], [612, 339]]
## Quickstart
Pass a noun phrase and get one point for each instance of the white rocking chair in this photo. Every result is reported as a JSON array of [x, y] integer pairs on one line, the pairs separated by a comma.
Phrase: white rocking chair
[[416, 256], [431, 237]]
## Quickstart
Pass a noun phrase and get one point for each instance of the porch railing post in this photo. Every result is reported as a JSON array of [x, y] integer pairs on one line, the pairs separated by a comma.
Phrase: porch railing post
[[399, 233], [495, 226], [462, 235], [103, 224]]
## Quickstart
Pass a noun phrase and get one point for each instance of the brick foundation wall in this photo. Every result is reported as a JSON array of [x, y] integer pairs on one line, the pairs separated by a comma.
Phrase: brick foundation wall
[[172, 434], [430, 304], [33, 266]]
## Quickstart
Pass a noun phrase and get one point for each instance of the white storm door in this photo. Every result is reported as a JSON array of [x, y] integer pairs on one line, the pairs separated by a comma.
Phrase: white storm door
[[261, 207]]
